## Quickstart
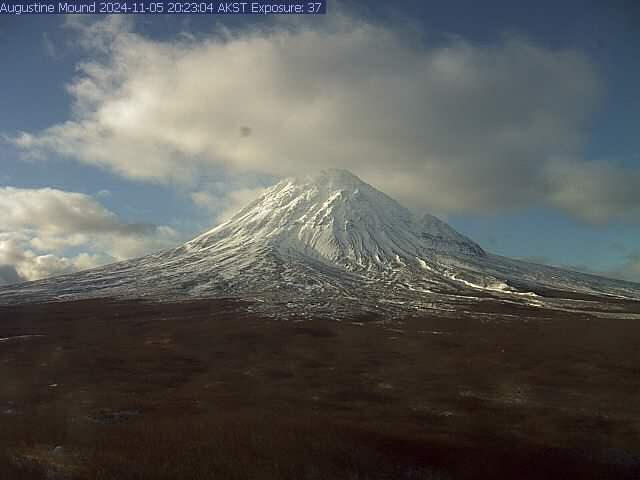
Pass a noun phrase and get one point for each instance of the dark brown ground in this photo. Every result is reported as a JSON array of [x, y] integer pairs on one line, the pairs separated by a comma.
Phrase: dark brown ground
[[205, 390]]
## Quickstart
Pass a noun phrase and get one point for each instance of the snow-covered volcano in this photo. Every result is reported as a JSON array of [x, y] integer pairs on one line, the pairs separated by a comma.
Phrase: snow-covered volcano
[[337, 218], [328, 244]]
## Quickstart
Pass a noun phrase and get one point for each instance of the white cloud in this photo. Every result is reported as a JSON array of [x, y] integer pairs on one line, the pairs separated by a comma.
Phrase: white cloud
[[19, 263], [594, 191], [39, 228], [451, 127]]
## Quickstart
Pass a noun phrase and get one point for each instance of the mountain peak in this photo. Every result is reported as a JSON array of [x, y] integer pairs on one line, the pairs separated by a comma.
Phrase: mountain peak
[[335, 217], [333, 179], [327, 242], [335, 176]]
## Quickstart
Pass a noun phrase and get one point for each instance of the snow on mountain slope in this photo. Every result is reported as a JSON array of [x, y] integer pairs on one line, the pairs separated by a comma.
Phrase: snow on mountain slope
[[336, 217], [326, 244]]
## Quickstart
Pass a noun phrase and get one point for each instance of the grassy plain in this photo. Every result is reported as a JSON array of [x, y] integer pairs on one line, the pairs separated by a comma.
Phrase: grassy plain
[[208, 390]]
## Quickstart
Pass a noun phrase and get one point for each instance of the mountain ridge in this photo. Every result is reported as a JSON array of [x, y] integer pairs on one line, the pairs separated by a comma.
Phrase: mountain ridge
[[329, 244], [339, 217]]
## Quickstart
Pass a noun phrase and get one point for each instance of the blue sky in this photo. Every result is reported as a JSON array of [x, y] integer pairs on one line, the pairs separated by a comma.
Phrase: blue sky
[[581, 52]]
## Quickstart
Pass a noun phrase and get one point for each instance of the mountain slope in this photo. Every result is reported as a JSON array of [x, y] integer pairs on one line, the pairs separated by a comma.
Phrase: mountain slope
[[329, 244], [336, 217]]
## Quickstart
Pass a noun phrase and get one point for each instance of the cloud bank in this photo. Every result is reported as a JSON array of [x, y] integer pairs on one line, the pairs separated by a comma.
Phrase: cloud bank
[[451, 126], [40, 226]]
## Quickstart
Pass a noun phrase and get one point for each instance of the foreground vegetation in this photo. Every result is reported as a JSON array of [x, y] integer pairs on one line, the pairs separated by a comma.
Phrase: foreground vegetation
[[207, 390]]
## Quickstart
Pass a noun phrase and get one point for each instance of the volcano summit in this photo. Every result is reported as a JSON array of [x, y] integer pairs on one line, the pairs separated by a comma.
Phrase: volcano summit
[[332, 245]]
